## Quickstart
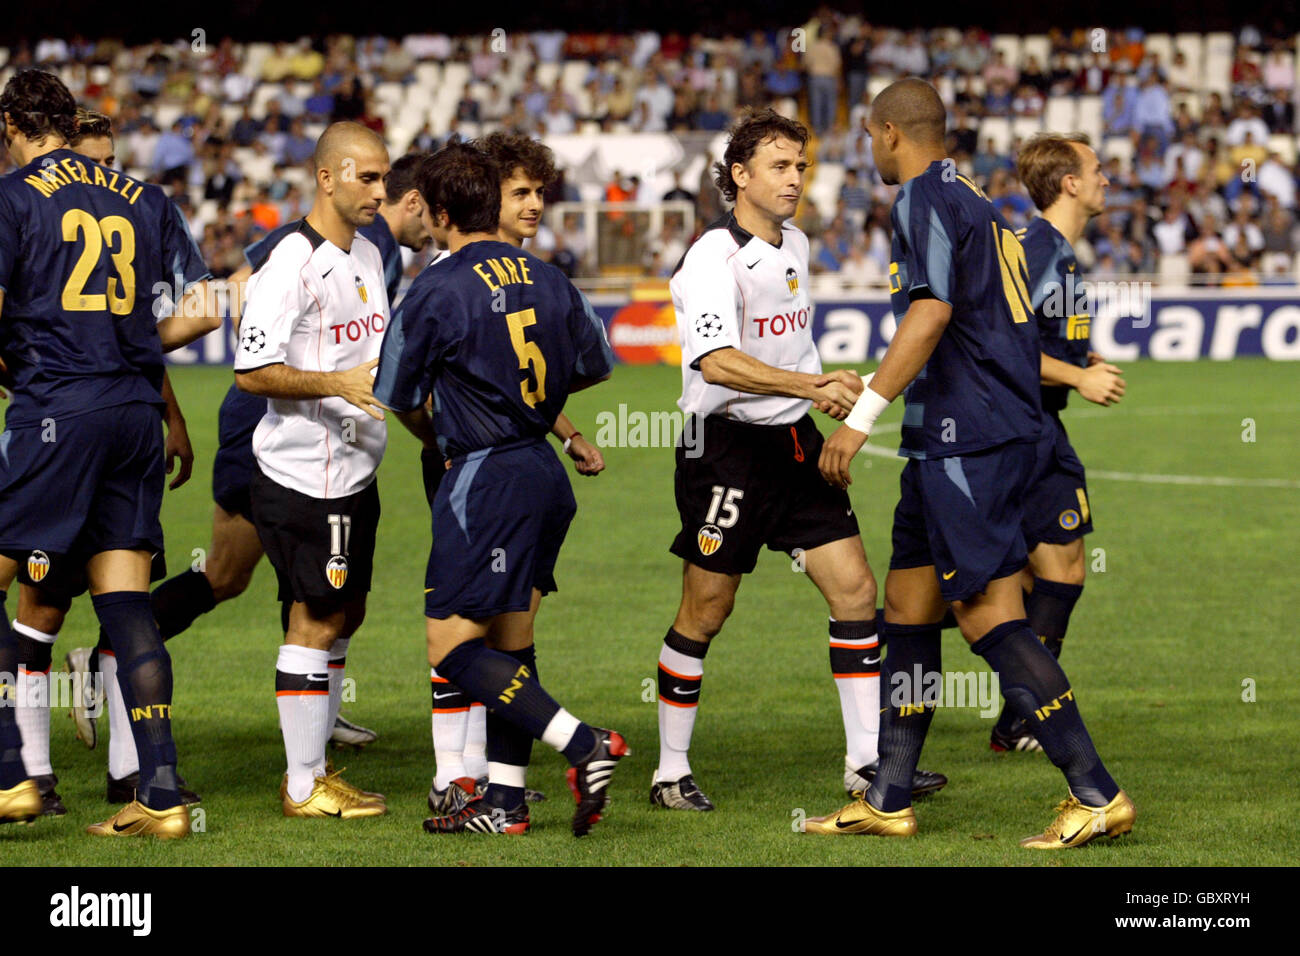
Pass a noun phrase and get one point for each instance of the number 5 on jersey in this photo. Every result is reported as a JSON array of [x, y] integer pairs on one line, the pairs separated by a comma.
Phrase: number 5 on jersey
[[529, 354]]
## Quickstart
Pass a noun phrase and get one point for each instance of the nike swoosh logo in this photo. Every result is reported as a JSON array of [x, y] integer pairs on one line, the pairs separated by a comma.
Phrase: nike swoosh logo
[[678, 690], [117, 828], [441, 696], [849, 512], [336, 813], [750, 266], [1070, 838], [327, 272], [949, 575], [868, 660], [840, 824]]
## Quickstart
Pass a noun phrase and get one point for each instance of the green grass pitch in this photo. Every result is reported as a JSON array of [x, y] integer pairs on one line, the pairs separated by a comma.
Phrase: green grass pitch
[[1193, 613]]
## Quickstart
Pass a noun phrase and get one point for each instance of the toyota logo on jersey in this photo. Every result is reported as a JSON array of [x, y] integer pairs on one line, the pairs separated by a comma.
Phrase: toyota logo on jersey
[[358, 329]]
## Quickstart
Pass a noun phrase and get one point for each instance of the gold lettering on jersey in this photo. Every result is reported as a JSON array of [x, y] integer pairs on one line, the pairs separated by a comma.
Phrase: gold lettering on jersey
[[1077, 327], [482, 274], [71, 165], [523, 271], [68, 170], [499, 271], [99, 178], [510, 270], [895, 280], [112, 183], [41, 185]]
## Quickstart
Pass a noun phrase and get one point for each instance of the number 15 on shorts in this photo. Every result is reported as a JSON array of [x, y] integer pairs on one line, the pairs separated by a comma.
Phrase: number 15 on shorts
[[340, 531], [724, 510]]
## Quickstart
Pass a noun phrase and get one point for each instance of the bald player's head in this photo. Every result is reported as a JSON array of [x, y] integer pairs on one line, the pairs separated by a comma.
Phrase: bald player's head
[[905, 115], [350, 163]]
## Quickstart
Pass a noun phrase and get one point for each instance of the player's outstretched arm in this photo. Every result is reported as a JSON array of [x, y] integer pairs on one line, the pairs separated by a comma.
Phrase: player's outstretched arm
[[180, 328], [734, 369], [355, 385], [178, 437], [1100, 383], [911, 348]]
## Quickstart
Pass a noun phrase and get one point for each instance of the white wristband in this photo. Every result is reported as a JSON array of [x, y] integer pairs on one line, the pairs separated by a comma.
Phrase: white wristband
[[867, 409]]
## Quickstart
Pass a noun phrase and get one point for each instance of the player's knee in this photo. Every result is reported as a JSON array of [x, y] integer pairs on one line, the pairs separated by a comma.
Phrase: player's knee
[[707, 615], [227, 584]]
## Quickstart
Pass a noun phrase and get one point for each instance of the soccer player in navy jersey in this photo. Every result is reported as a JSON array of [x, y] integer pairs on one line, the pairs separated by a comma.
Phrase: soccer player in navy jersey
[[500, 339], [83, 250], [460, 725], [1066, 182], [235, 550], [967, 354]]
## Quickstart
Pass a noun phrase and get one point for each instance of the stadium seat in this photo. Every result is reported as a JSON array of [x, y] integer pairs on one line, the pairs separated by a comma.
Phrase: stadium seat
[[1039, 47], [164, 114], [1061, 114], [1284, 146], [1216, 73], [1193, 101], [1174, 269], [998, 129], [392, 93], [547, 73], [876, 84], [1009, 44], [428, 75], [1088, 119], [1120, 147], [1162, 45], [1023, 127], [255, 55], [1192, 46], [824, 190], [574, 76]]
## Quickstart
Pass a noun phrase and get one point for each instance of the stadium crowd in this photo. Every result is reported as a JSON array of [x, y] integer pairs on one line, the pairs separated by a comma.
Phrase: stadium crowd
[[1198, 132]]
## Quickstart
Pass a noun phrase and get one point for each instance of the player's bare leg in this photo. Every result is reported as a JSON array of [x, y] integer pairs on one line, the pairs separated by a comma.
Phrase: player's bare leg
[[233, 556], [39, 619], [304, 687], [708, 598], [1053, 583], [119, 588], [19, 797], [459, 648]]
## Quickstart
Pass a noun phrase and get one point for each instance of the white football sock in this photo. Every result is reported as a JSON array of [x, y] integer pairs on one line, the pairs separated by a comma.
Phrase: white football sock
[[859, 698], [450, 724], [338, 666], [677, 719], [304, 712], [122, 758], [475, 754], [33, 710]]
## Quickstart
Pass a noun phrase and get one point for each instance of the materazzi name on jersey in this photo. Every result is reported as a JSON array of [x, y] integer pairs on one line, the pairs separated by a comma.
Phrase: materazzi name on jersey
[[784, 322]]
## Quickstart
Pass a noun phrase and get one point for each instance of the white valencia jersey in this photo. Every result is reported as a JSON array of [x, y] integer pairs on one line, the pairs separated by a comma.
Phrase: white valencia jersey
[[316, 308], [734, 290]]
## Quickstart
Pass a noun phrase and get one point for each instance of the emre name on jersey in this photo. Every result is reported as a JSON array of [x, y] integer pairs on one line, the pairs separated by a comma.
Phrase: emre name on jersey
[[505, 272]]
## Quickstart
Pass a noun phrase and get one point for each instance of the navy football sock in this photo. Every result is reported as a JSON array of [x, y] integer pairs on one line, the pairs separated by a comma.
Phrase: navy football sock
[[914, 653], [179, 601], [1038, 690], [509, 745], [144, 673], [503, 684], [1048, 607], [12, 771]]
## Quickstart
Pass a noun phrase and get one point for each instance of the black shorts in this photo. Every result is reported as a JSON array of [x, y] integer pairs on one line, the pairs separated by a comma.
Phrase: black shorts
[[499, 520], [963, 515], [234, 465], [322, 549], [84, 485], [1056, 503], [755, 485]]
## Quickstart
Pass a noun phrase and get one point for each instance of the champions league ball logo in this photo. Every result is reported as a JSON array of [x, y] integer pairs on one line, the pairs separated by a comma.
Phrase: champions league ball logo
[[252, 339], [708, 326]]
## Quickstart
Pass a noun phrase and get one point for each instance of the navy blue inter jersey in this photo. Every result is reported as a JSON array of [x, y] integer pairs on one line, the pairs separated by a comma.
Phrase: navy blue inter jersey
[[1057, 291], [499, 337], [85, 252], [377, 232], [979, 388]]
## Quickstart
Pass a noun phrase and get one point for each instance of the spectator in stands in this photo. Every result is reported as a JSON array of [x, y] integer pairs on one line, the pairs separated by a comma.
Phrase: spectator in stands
[[681, 119], [319, 106], [1189, 152], [297, 147], [859, 270], [1174, 230], [1246, 122], [349, 98], [1279, 113], [1152, 114], [856, 63], [1093, 75], [247, 128], [712, 117], [1246, 159], [855, 198], [1279, 70], [1119, 104], [1183, 76], [1149, 167], [988, 160], [911, 58], [783, 78], [220, 171], [1028, 101], [1246, 75], [1001, 71], [1242, 233], [1278, 181], [174, 154], [997, 98], [972, 53], [1033, 75], [142, 145], [620, 102], [832, 248], [1208, 254], [678, 192], [823, 64]]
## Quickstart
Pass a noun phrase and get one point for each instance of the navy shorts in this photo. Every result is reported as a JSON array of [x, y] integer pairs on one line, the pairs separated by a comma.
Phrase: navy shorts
[[963, 515], [234, 465], [78, 487], [1056, 502], [499, 518], [754, 485], [322, 549]]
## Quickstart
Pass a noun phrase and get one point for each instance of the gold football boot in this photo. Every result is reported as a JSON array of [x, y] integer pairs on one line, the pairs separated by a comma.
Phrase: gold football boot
[[861, 817], [20, 803], [135, 819], [1077, 823], [365, 794], [328, 798]]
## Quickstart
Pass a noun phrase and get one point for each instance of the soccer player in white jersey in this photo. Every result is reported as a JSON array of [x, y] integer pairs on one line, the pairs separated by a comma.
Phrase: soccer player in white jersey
[[747, 466], [309, 341]]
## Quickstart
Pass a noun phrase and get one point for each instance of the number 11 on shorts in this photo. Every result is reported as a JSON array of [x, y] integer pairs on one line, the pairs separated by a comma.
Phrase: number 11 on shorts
[[340, 527]]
